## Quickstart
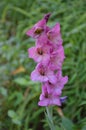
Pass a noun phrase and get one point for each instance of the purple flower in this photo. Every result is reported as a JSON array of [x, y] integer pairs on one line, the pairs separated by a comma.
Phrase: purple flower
[[48, 99], [48, 52], [58, 86], [56, 59], [42, 73], [54, 34], [40, 53], [42, 40], [52, 88], [61, 81], [39, 27]]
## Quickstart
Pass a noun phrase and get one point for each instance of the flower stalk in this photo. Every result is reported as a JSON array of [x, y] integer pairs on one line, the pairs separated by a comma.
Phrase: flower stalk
[[48, 53], [50, 118]]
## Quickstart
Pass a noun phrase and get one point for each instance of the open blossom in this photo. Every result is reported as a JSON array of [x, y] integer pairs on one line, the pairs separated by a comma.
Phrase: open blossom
[[48, 53], [52, 88], [42, 40], [39, 28], [40, 53], [61, 81], [51, 93], [54, 34], [42, 73], [56, 59], [58, 86], [48, 99]]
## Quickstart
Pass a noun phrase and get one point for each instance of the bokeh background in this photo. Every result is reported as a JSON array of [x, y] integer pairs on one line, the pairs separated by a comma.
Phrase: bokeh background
[[18, 94]]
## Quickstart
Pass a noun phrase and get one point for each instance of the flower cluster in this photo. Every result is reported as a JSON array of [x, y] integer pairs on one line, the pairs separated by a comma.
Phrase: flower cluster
[[48, 53]]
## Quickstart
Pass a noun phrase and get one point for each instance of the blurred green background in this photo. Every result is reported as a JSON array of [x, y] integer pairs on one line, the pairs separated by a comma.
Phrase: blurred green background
[[18, 94]]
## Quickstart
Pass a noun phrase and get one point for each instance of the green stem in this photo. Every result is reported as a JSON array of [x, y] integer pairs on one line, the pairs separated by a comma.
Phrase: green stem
[[50, 118]]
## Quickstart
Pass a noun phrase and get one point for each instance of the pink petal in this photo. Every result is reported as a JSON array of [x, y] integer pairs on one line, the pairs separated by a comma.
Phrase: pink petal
[[35, 75], [56, 101], [32, 52], [30, 32], [65, 79], [51, 76], [43, 102], [56, 28]]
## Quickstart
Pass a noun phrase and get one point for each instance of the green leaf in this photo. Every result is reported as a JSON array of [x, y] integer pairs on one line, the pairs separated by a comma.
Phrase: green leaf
[[19, 97], [11, 114], [84, 128], [83, 103], [14, 117], [3, 91], [67, 124], [21, 81], [24, 82], [57, 128], [16, 121]]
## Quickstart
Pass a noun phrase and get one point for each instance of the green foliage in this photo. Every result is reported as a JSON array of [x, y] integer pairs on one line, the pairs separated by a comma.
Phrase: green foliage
[[67, 124], [14, 117], [84, 128], [18, 94]]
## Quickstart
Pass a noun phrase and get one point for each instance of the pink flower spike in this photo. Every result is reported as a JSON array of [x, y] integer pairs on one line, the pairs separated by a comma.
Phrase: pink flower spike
[[40, 53], [54, 34], [48, 53], [42, 73], [48, 99]]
